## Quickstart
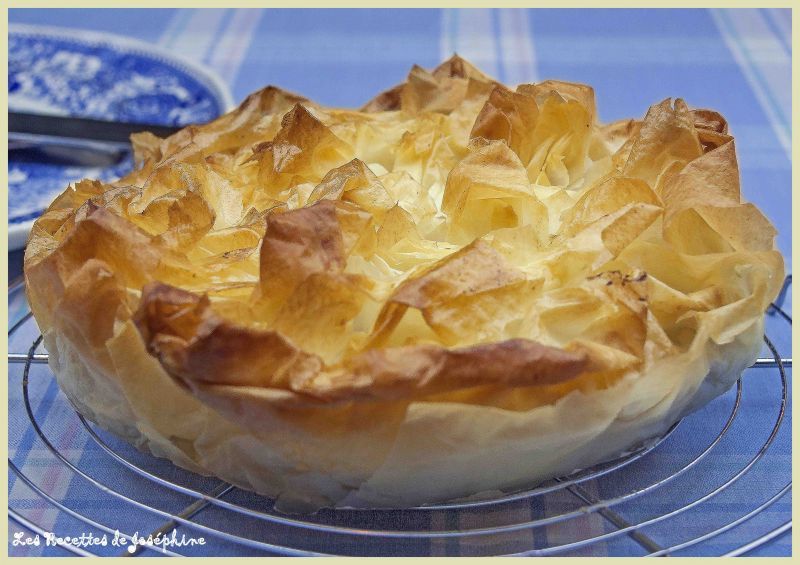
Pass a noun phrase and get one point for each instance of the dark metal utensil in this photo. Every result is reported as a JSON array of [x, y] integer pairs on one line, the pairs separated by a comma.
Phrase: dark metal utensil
[[76, 142], [80, 128]]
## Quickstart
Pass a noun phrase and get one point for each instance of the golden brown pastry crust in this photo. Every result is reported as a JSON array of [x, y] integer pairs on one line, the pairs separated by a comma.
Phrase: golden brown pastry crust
[[452, 250]]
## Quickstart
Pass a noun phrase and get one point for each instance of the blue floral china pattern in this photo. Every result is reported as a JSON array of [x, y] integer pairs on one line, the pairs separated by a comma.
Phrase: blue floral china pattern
[[94, 75]]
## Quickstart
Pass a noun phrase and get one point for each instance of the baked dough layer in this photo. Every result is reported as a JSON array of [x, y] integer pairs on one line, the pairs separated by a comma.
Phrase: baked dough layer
[[458, 289]]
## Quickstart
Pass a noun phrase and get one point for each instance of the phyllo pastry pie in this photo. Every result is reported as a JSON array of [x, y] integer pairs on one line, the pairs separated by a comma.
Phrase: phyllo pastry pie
[[459, 289]]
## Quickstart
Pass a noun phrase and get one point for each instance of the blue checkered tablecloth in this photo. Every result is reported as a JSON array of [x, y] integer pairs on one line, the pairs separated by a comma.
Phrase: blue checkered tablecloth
[[735, 61]]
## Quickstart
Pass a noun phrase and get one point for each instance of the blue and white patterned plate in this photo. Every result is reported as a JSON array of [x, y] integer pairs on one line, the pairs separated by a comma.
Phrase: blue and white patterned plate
[[95, 75]]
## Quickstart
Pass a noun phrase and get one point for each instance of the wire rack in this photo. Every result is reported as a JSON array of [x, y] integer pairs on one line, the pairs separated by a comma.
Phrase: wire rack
[[717, 483]]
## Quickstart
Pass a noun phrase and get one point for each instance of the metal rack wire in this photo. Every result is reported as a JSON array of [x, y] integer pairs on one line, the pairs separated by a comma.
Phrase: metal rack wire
[[594, 511]]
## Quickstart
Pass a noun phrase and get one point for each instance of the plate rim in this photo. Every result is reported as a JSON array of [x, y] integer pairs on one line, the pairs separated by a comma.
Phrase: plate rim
[[18, 232]]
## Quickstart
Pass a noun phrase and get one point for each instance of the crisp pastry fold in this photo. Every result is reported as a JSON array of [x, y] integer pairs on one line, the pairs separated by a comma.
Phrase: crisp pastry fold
[[457, 289]]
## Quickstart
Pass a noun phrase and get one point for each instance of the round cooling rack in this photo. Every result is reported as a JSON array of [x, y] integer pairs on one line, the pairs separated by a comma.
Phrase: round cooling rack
[[718, 483]]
